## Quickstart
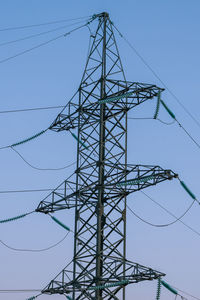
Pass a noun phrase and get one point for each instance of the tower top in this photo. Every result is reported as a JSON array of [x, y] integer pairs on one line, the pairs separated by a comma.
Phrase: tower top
[[103, 14]]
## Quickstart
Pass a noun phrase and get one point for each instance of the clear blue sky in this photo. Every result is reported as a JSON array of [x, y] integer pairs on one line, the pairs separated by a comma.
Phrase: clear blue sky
[[166, 34]]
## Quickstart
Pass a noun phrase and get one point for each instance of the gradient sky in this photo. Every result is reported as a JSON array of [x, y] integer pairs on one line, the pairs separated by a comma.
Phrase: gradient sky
[[166, 34]]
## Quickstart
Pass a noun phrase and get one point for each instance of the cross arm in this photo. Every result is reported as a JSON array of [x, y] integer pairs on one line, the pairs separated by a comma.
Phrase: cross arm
[[137, 177], [128, 95], [125, 181]]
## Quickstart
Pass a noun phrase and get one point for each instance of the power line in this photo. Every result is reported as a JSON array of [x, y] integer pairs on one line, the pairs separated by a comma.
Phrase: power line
[[38, 34], [42, 24], [20, 291], [171, 214], [38, 134], [34, 250], [31, 190], [30, 49], [40, 45], [166, 123], [55, 107], [38, 290], [131, 118], [189, 135], [30, 109], [42, 169], [33, 137], [62, 106], [174, 120], [162, 225], [185, 293], [156, 75]]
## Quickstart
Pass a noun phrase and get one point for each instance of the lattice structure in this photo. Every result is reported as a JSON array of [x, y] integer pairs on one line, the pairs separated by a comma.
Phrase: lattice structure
[[103, 179]]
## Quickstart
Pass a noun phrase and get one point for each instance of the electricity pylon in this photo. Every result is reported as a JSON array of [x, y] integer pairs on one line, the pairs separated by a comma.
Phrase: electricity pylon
[[103, 179]]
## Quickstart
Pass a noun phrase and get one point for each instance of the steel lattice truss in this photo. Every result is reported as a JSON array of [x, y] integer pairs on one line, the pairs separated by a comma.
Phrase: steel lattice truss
[[103, 179]]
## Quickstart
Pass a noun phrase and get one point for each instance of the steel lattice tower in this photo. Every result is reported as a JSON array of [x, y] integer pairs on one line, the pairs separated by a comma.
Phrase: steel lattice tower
[[103, 179]]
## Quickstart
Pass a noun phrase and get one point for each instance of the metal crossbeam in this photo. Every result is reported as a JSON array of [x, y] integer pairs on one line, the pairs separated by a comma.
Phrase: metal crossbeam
[[130, 94], [141, 177], [134, 273]]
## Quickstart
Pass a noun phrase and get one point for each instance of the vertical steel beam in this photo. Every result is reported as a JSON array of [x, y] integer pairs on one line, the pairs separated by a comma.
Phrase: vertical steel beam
[[100, 204], [76, 209]]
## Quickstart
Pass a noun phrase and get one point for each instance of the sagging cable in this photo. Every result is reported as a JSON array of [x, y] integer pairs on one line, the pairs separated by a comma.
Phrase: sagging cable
[[43, 43], [15, 218], [41, 169], [60, 223], [174, 117], [186, 188], [35, 250]]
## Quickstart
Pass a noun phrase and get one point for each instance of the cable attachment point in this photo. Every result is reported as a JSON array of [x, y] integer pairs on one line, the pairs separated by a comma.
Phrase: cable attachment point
[[94, 16]]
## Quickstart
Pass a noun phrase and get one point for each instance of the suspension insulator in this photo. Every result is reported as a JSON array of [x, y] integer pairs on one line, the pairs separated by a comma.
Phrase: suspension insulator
[[60, 223], [29, 139], [167, 286], [187, 190], [79, 141], [157, 106], [168, 110], [158, 289], [13, 219]]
